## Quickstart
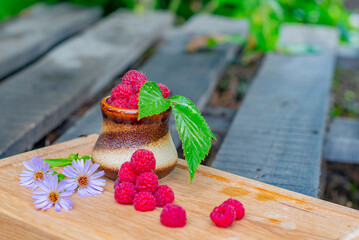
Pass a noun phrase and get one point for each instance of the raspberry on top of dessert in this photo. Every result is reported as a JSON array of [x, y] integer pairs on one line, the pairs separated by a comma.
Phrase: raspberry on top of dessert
[[125, 95]]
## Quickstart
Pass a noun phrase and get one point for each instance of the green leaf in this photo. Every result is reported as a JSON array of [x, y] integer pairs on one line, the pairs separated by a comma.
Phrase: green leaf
[[73, 156], [193, 130], [58, 162], [86, 157], [151, 100], [59, 175]]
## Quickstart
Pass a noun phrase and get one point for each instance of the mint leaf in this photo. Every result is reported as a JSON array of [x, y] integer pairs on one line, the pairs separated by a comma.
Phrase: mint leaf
[[193, 130], [151, 100], [58, 162], [60, 176], [73, 156], [190, 105]]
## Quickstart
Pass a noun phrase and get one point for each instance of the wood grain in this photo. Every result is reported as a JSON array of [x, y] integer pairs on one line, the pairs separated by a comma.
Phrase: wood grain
[[193, 75], [276, 136], [342, 141], [27, 37], [271, 212], [38, 99]]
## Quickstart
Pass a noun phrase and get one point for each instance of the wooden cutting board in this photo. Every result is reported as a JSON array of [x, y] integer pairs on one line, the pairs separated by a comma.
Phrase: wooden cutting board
[[271, 212]]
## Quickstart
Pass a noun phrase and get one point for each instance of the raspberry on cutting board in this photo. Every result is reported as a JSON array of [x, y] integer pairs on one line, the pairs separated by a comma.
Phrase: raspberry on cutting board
[[126, 173], [164, 195], [173, 216], [238, 207], [125, 193], [223, 216], [147, 181], [144, 201]]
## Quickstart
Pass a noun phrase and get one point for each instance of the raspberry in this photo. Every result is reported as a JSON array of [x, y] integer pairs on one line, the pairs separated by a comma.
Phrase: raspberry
[[134, 79], [133, 102], [144, 201], [238, 207], [147, 181], [110, 100], [173, 216], [121, 91], [119, 102], [126, 174], [125, 193], [223, 216], [164, 195], [143, 161], [165, 91], [117, 181]]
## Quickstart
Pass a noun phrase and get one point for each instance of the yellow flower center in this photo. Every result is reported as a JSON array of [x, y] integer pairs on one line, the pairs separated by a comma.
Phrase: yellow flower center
[[54, 196], [39, 175], [83, 181]]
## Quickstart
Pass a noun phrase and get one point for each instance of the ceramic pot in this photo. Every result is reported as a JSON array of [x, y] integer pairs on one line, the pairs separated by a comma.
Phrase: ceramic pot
[[122, 134]]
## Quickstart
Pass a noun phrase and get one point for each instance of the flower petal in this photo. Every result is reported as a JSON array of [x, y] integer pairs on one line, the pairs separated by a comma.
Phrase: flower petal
[[69, 171], [26, 181], [98, 188], [81, 165], [29, 165], [57, 207], [48, 206], [62, 185], [33, 185], [39, 163], [66, 204], [75, 164], [43, 204], [66, 193], [98, 174], [46, 167], [93, 168], [98, 182], [81, 192], [93, 192], [87, 165]]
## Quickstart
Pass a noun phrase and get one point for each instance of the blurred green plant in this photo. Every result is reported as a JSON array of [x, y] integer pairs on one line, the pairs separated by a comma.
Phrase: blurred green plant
[[265, 16]]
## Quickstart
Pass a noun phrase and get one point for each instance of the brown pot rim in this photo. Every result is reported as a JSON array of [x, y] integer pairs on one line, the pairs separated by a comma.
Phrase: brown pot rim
[[124, 113]]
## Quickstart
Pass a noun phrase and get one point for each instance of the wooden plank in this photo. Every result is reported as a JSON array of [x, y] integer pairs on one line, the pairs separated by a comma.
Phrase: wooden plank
[[27, 37], [49, 91], [276, 136], [271, 212], [193, 75], [342, 141]]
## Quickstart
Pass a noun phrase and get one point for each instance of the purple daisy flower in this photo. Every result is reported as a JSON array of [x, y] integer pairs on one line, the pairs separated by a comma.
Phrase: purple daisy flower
[[52, 193], [37, 170], [82, 176]]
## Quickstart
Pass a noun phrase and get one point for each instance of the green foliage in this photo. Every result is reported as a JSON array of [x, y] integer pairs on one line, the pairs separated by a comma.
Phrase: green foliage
[[60, 162], [10, 8], [193, 130], [265, 16], [151, 100]]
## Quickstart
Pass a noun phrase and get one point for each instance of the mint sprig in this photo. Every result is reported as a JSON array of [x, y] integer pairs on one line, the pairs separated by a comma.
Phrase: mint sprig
[[192, 128], [61, 162], [151, 100]]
